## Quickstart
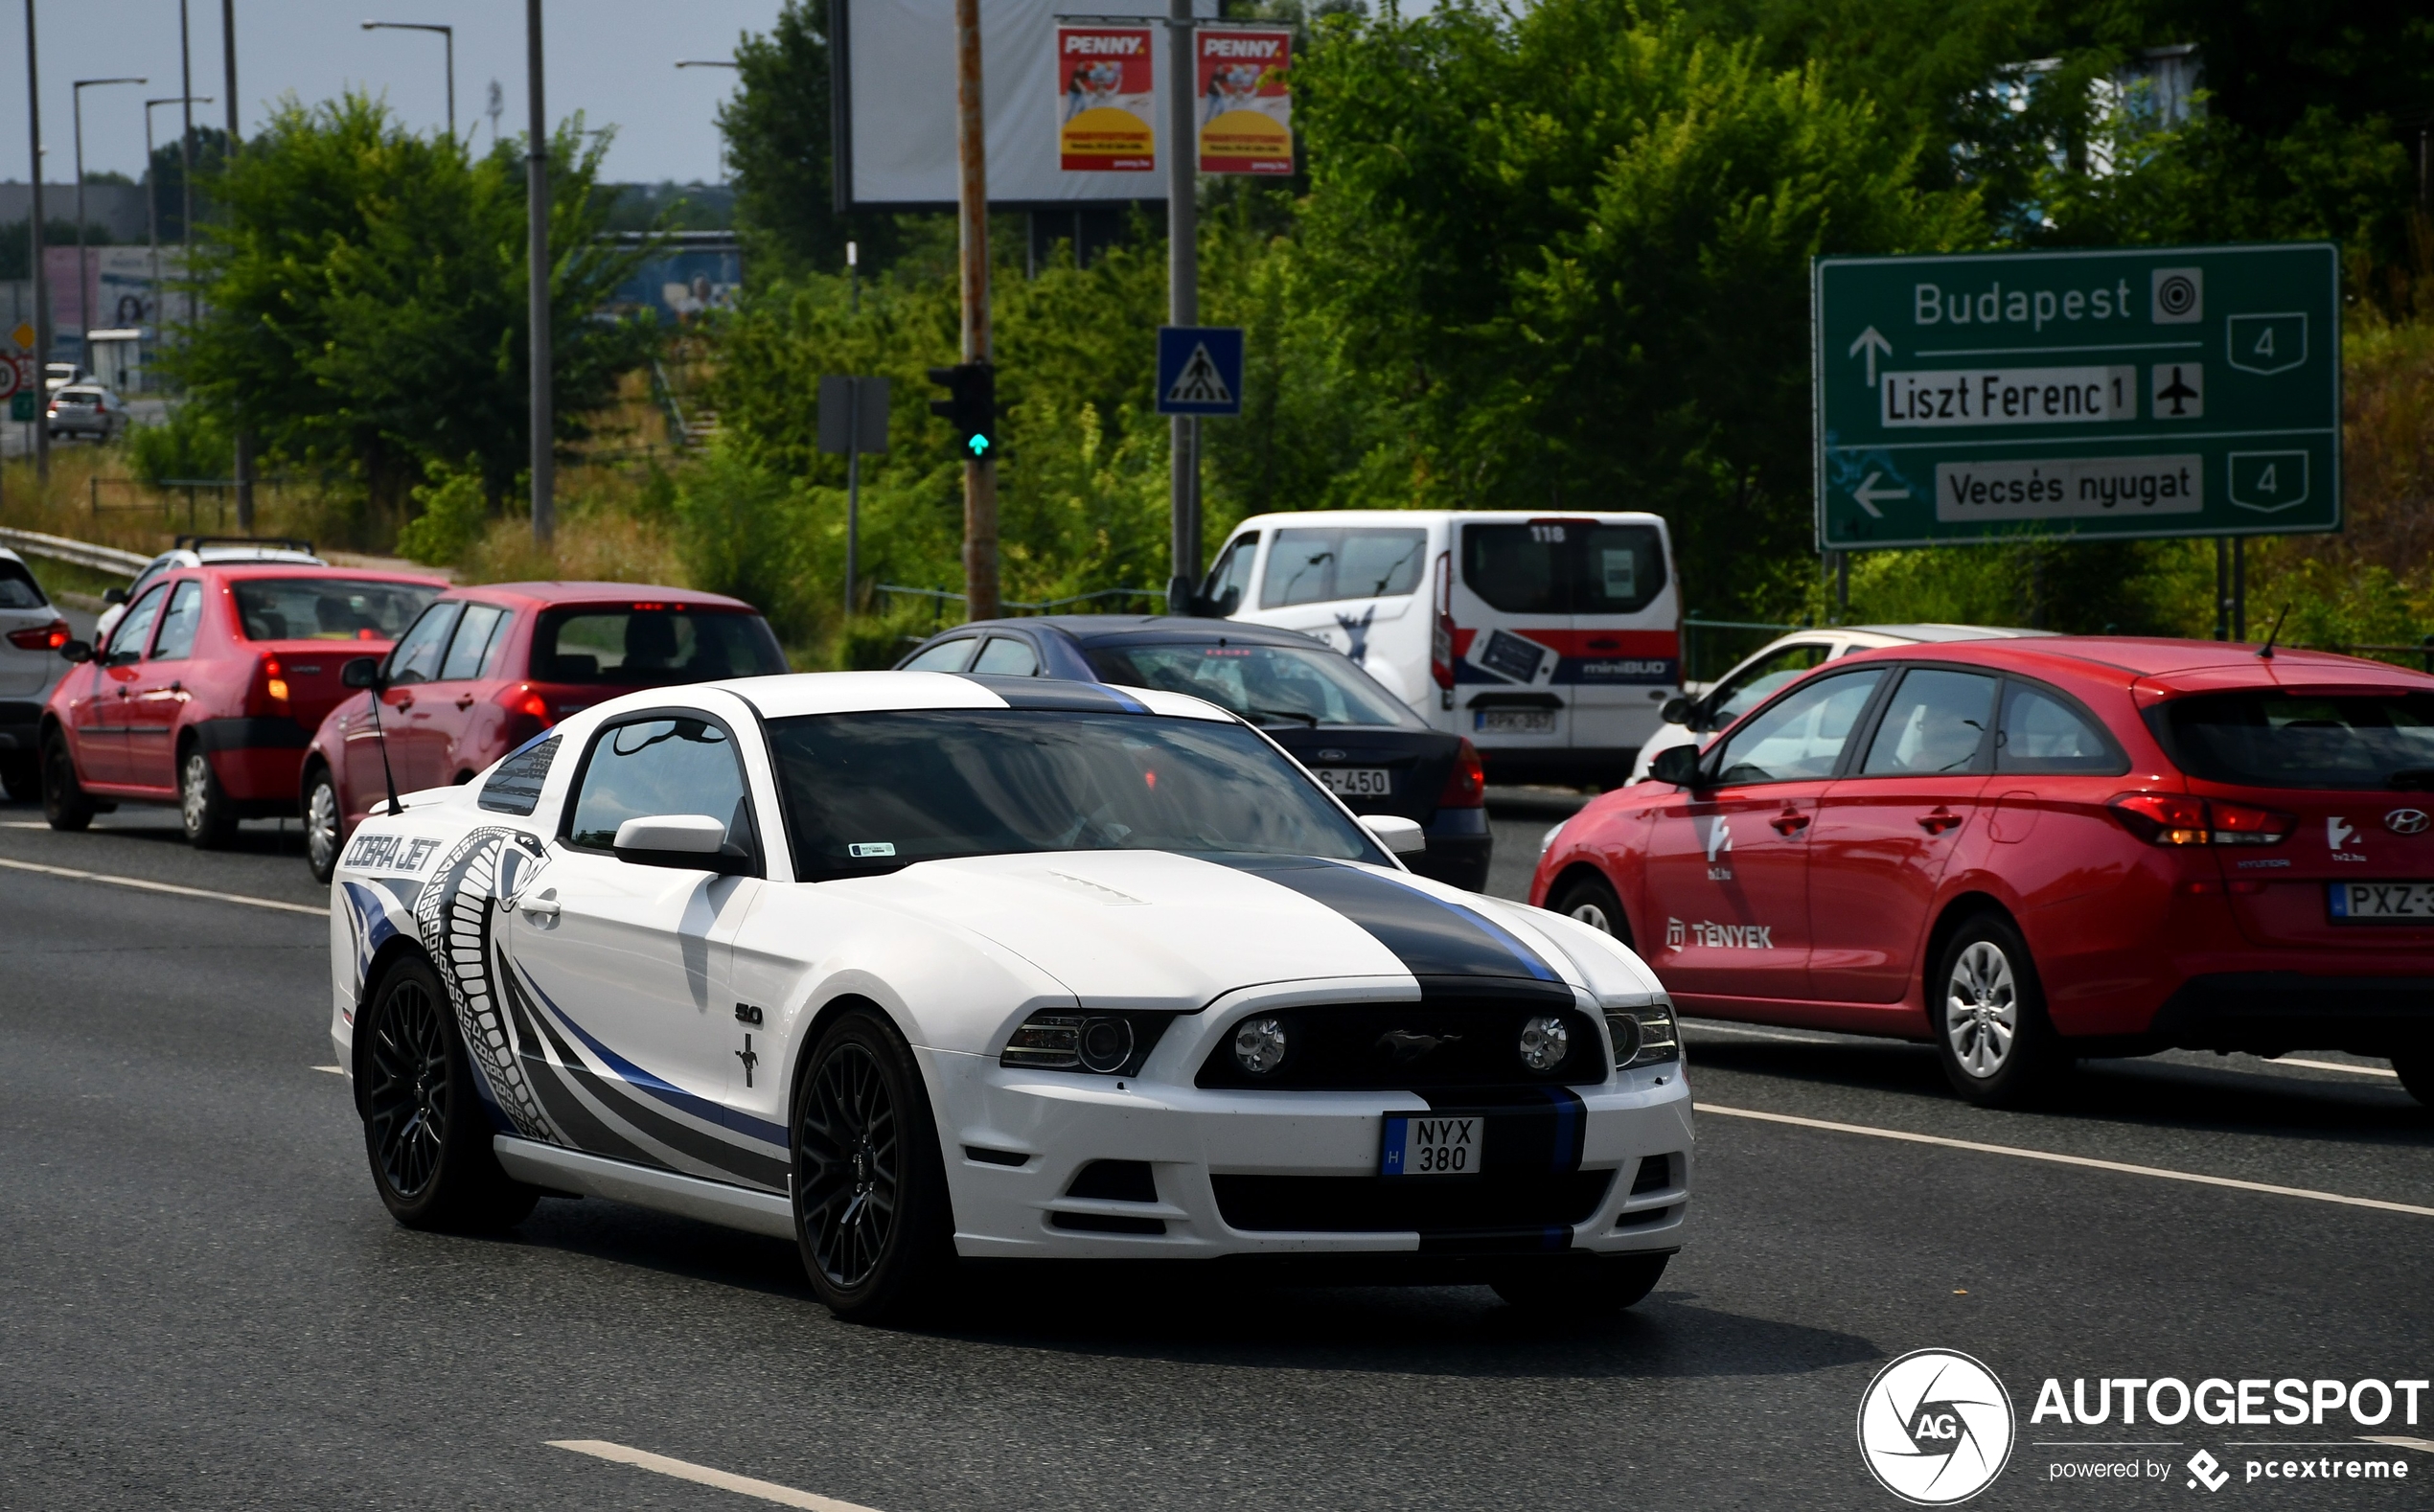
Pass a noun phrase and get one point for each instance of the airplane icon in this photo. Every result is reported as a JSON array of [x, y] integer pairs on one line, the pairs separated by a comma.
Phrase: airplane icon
[[2180, 391]]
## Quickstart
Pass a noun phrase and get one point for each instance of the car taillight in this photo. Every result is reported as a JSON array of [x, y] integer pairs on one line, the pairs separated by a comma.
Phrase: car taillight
[[522, 701], [1466, 785], [2169, 818], [274, 680], [40, 637], [1440, 652]]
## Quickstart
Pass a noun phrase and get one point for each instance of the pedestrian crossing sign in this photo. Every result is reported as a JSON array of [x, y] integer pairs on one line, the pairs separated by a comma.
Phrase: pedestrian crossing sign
[[1199, 370]]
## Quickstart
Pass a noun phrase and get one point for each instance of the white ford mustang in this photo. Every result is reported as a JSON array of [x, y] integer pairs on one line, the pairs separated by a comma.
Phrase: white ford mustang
[[909, 966]]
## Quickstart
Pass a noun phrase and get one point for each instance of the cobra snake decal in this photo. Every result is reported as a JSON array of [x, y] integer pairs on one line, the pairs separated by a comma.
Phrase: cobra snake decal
[[455, 916]]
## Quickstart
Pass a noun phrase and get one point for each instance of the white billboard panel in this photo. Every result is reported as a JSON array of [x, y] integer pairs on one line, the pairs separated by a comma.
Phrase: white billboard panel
[[895, 84]]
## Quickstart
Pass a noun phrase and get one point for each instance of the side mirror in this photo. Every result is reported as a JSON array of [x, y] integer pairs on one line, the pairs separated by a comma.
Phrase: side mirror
[[113, 595], [1401, 835], [360, 672], [685, 841], [77, 650], [1676, 710], [1677, 765]]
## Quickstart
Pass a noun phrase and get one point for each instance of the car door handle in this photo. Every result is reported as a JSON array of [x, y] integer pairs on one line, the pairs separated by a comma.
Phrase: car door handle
[[1791, 821], [539, 908], [1941, 820], [464, 703]]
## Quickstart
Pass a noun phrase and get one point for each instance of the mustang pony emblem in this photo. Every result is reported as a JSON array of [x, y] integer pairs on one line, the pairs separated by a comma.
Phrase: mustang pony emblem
[[1403, 1046]]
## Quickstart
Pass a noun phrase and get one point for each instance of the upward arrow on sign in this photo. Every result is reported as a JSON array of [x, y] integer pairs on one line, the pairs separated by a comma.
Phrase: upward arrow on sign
[[1873, 342]]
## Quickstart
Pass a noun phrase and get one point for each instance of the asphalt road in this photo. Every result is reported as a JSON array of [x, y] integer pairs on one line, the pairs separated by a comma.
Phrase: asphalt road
[[203, 1305]]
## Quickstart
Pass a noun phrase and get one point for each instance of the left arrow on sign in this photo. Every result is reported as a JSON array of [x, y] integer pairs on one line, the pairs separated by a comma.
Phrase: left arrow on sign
[[1868, 494], [1870, 341]]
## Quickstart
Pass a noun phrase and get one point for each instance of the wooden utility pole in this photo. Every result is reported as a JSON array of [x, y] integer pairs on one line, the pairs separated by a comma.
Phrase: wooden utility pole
[[980, 473]]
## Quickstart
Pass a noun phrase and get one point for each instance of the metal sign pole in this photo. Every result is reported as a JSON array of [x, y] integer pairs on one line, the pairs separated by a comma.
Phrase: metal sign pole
[[979, 473], [41, 283], [1182, 293], [537, 289], [853, 489]]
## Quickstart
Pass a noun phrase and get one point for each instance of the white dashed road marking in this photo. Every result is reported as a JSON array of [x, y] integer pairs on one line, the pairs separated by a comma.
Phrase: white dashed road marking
[[2427, 1444], [704, 1475], [2335, 1065], [331, 1070], [318, 910], [2018, 1154]]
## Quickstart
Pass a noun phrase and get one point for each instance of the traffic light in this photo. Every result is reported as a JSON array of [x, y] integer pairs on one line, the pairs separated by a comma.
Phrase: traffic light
[[971, 407]]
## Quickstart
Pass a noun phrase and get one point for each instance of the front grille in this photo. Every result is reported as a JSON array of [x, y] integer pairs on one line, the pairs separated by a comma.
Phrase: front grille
[[1372, 1204], [1656, 1174], [1441, 1040]]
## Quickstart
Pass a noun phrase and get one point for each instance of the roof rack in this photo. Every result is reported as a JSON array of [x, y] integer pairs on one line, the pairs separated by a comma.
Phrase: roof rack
[[280, 542]]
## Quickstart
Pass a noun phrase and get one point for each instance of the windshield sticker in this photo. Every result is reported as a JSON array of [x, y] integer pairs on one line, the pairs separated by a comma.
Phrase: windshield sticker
[[390, 853], [864, 849]]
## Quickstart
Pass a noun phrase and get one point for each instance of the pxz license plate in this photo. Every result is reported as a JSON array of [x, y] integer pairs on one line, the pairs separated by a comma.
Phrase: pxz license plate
[[1418, 1144], [2398, 901], [1513, 722], [1356, 782]]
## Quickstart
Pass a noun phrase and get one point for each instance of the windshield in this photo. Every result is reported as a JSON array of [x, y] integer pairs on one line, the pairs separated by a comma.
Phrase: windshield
[[650, 645], [2272, 739], [1265, 684], [870, 793], [328, 608]]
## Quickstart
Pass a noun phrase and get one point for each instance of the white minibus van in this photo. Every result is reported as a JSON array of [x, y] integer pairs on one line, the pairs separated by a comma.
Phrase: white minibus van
[[1550, 640]]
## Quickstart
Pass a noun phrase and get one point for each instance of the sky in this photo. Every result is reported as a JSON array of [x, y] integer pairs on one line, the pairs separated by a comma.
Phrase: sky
[[612, 59]]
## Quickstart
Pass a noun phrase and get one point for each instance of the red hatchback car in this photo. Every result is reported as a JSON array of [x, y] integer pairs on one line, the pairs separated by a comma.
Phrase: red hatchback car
[[208, 689], [2031, 851], [486, 669]]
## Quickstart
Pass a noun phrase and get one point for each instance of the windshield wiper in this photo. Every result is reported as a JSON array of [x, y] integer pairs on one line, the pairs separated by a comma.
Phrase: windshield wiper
[[1310, 720]]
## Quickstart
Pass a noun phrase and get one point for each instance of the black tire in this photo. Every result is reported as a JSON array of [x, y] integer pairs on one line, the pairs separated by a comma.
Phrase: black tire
[[1588, 898], [323, 819], [2415, 1070], [209, 813], [1985, 1012], [21, 773], [1577, 1286], [425, 1129], [65, 802], [871, 1212]]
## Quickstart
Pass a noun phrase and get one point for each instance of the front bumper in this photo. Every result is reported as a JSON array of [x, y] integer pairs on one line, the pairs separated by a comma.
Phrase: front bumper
[[2271, 1012], [1289, 1172]]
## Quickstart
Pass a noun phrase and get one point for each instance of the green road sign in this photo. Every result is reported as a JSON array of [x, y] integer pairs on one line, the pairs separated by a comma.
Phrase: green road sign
[[21, 406], [2150, 391]]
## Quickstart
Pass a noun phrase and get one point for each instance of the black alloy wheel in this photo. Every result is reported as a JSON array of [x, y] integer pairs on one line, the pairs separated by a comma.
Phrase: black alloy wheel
[[425, 1129], [64, 803], [204, 805], [322, 823], [1577, 1286], [1589, 899], [1985, 1011], [871, 1212]]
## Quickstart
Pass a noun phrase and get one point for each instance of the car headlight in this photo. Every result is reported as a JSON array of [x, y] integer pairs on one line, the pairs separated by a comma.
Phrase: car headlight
[[1644, 1035], [1104, 1043]]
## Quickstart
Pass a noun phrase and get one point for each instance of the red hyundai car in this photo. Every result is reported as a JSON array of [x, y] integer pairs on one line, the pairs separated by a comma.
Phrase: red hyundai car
[[206, 692], [2031, 851], [486, 669]]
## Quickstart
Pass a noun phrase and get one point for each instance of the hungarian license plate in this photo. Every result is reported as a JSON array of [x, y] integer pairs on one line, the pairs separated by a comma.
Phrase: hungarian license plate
[[1356, 782], [1513, 722], [2354, 902], [1422, 1144]]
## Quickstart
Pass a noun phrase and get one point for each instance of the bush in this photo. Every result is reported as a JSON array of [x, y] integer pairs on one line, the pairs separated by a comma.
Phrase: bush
[[453, 515], [192, 445]]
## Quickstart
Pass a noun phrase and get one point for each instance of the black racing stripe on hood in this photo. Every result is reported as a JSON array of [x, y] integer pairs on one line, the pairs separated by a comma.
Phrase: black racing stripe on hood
[[1430, 937]]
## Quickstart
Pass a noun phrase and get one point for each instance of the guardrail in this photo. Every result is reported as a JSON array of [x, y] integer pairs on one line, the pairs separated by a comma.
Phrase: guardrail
[[82, 552]]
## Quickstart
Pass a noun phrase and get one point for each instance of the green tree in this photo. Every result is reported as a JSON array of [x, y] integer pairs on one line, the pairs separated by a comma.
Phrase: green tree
[[1573, 241], [778, 133], [365, 295]]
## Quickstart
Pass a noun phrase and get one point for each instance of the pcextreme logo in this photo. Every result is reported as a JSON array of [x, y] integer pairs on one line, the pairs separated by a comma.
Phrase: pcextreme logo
[[1935, 1428]]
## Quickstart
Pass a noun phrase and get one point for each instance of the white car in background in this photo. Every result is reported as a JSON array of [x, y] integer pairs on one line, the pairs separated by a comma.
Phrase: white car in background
[[31, 633], [913, 965], [1692, 716], [195, 551]]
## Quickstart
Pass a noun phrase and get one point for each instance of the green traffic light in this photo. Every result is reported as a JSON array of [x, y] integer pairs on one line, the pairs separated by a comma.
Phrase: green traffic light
[[980, 446]]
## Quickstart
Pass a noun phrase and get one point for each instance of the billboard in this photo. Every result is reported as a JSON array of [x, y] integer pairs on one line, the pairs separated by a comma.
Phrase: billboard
[[1245, 105], [680, 282], [1107, 105], [893, 73]]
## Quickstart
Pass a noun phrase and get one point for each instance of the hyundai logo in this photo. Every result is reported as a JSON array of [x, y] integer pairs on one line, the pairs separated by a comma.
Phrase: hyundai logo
[[2406, 821]]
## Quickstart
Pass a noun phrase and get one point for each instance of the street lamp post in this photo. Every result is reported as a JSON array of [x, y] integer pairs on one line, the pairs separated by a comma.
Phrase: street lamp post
[[447, 34], [186, 158], [537, 286], [41, 284], [84, 275]]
